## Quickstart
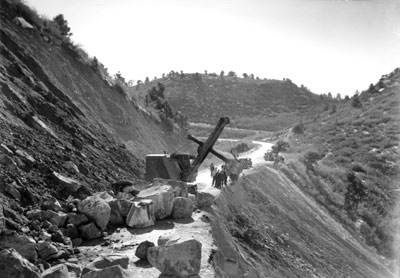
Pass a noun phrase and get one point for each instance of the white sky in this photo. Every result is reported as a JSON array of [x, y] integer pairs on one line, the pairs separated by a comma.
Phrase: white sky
[[332, 46]]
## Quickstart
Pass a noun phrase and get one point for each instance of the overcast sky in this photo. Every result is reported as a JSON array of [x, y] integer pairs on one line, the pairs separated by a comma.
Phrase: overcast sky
[[328, 45]]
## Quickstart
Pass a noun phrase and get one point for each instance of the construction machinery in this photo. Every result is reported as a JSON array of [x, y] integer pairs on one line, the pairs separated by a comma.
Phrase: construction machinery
[[184, 167]]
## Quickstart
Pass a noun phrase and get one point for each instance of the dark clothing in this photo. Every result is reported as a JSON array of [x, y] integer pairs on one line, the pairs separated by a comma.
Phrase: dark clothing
[[218, 180]]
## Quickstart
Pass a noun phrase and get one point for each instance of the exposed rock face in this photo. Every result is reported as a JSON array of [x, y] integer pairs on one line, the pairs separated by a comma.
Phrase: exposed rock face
[[182, 208], [89, 231], [141, 250], [141, 214], [106, 262], [96, 209], [180, 259], [162, 197], [204, 199], [113, 271], [12, 264], [25, 245], [57, 271]]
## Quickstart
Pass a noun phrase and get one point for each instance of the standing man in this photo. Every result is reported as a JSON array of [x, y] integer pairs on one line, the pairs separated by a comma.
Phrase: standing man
[[212, 168]]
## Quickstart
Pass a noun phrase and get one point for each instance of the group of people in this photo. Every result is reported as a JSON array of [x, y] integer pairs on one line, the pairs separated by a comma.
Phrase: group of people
[[220, 177]]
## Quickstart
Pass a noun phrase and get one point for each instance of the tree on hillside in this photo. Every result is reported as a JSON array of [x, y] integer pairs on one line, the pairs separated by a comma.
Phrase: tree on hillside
[[245, 75], [119, 78], [338, 97], [280, 146], [333, 109], [62, 25], [94, 64], [251, 76], [146, 81], [356, 102], [232, 74], [205, 72], [222, 74], [310, 158], [298, 129], [356, 191]]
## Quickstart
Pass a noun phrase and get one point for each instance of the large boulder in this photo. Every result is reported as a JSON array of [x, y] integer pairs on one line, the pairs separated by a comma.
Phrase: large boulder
[[204, 199], [141, 250], [107, 261], [181, 188], [124, 207], [66, 185], [96, 209], [141, 214], [177, 259], [115, 216], [162, 197], [113, 271], [89, 231], [12, 264], [25, 245], [57, 271], [182, 208], [51, 204]]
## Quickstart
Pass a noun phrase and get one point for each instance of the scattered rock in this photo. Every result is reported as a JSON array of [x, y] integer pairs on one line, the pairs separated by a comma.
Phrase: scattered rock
[[125, 196], [12, 190], [89, 231], [53, 228], [182, 208], [74, 269], [25, 245], [106, 262], [97, 209], [76, 241], [118, 186], [162, 197], [44, 235], [55, 218], [51, 204], [71, 167], [46, 250], [58, 237], [57, 271], [180, 259], [193, 198], [131, 189], [7, 161], [67, 186], [113, 271], [5, 150], [141, 250], [77, 219], [12, 264], [204, 199], [115, 216], [2, 219], [141, 214], [72, 231]]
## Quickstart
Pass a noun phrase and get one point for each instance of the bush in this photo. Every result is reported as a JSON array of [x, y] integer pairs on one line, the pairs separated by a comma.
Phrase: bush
[[298, 129]]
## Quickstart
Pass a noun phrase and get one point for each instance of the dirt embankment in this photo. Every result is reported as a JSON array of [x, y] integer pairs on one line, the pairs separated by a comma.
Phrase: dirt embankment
[[266, 227]]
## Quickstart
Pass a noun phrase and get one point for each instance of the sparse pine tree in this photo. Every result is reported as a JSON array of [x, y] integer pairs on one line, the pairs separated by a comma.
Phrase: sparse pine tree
[[62, 25], [356, 102]]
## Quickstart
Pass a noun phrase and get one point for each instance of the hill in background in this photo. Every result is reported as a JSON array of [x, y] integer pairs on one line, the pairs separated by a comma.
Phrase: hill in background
[[250, 103]]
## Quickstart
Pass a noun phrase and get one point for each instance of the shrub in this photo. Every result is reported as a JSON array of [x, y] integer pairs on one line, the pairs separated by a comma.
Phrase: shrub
[[298, 129]]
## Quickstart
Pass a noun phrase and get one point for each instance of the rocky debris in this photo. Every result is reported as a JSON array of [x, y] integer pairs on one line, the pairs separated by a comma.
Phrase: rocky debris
[[131, 189], [180, 185], [55, 218], [162, 197], [204, 199], [106, 262], [89, 231], [72, 231], [51, 204], [12, 264], [57, 271], [13, 191], [124, 195], [27, 158], [118, 186], [113, 271], [8, 162], [76, 241], [96, 209], [25, 245], [115, 216], [34, 214], [141, 214], [141, 250], [124, 207], [177, 259], [66, 186], [2, 219], [46, 250], [71, 167], [77, 219], [193, 198], [182, 208], [74, 270]]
